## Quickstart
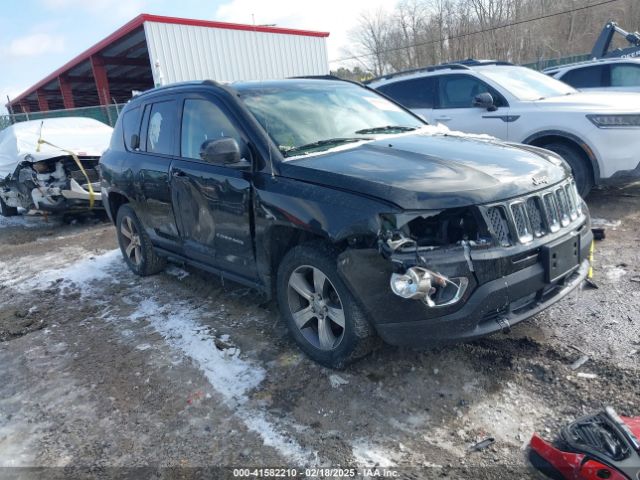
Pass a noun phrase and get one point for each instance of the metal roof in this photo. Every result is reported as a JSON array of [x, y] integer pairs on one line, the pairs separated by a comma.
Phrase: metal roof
[[127, 59]]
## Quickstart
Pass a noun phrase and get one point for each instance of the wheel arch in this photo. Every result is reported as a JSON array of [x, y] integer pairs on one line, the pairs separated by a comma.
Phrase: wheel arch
[[114, 201], [277, 241], [545, 137]]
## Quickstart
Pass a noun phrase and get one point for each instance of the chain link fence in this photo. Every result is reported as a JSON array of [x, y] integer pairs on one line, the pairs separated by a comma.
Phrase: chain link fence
[[105, 113], [554, 62]]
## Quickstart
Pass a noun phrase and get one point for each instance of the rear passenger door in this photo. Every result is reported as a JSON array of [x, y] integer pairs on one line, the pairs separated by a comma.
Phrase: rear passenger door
[[454, 106], [586, 78], [212, 202], [150, 171]]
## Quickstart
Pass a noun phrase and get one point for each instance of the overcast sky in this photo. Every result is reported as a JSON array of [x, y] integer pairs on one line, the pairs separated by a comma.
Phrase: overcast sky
[[38, 36]]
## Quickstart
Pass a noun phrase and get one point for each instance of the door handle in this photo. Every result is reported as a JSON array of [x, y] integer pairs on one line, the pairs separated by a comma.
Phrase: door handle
[[444, 118], [176, 172]]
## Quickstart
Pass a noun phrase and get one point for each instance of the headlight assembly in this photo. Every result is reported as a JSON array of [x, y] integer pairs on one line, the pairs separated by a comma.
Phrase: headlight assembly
[[615, 121], [434, 289]]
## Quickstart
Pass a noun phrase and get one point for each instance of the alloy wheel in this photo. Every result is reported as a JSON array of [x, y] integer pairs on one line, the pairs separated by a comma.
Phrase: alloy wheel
[[131, 240], [316, 307]]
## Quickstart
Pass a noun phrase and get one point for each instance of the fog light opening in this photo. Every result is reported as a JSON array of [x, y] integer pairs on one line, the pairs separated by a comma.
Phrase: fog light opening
[[434, 289]]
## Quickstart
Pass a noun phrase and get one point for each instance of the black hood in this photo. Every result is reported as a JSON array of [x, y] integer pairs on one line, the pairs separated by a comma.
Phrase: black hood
[[421, 171]]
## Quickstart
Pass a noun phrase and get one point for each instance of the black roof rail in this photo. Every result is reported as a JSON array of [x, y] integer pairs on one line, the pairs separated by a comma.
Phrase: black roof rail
[[317, 77], [472, 62], [457, 65], [432, 68]]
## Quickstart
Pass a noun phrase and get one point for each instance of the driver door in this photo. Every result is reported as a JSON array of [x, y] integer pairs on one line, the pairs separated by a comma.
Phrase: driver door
[[212, 201], [454, 107]]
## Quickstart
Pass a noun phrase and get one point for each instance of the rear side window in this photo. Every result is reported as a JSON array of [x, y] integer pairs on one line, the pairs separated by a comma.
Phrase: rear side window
[[131, 126], [625, 75], [416, 93], [458, 91], [203, 120], [161, 128], [587, 77]]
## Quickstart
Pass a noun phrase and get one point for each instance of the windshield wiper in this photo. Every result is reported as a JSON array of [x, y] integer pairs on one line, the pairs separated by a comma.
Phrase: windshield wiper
[[386, 129], [329, 142]]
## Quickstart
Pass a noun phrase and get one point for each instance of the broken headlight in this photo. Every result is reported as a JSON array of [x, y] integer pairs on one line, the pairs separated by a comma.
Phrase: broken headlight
[[434, 289], [428, 230]]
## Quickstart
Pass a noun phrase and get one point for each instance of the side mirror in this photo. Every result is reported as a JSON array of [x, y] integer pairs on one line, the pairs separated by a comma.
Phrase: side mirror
[[135, 142], [220, 150], [484, 100]]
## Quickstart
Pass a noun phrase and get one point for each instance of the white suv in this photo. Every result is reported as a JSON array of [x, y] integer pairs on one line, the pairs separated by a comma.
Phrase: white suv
[[597, 133], [614, 74]]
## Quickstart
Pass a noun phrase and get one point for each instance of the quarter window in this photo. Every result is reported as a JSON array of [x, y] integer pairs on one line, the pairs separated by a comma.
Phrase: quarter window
[[161, 128], [625, 75], [416, 93], [131, 125], [202, 120]]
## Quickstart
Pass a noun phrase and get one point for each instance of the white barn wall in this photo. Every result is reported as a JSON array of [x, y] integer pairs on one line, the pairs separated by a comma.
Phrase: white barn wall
[[188, 52]]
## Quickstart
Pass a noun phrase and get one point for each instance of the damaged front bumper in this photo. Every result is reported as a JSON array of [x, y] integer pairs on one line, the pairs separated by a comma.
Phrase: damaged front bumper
[[504, 286]]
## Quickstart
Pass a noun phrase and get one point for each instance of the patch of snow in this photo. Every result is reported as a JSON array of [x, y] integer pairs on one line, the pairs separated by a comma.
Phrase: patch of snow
[[337, 381], [604, 223], [89, 268], [29, 221], [505, 415], [176, 271], [367, 454], [615, 273], [231, 375]]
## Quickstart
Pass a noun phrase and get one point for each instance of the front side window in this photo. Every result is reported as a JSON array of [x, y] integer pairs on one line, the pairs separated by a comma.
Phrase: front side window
[[306, 117], [202, 120], [458, 91], [415, 93], [586, 77], [526, 84], [161, 128], [625, 75]]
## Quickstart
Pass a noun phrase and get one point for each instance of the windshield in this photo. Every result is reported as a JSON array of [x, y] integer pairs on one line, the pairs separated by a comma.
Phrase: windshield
[[315, 116], [526, 84]]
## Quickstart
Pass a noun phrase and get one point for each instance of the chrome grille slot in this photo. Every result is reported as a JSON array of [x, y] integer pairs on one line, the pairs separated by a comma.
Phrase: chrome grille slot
[[535, 215], [521, 222], [573, 212], [499, 224], [535, 212], [563, 207], [553, 219]]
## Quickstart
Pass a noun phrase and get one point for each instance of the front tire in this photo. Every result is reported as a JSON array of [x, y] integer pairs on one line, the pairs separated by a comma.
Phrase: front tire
[[322, 315], [6, 210], [135, 244], [582, 172]]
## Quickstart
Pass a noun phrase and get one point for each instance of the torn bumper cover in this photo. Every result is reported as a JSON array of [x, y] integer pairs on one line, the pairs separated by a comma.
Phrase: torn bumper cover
[[501, 287], [598, 446]]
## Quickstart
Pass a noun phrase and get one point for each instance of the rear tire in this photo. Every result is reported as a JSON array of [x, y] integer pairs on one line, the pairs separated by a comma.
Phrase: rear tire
[[582, 172], [135, 244], [6, 210], [322, 315]]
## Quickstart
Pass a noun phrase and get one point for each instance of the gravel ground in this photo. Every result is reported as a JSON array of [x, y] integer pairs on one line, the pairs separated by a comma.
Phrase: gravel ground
[[104, 372]]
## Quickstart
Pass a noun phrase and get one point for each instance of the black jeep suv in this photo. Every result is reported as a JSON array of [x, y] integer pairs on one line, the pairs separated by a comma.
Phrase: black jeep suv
[[361, 219]]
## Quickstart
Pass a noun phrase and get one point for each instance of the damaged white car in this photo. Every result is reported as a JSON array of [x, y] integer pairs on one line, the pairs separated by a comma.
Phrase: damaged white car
[[51, 164]]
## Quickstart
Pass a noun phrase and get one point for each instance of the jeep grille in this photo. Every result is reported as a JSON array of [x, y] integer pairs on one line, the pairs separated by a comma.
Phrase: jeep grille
[[534, 216]]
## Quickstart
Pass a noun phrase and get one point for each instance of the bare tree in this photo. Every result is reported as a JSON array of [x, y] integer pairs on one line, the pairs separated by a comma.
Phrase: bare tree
[[424, 32]]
